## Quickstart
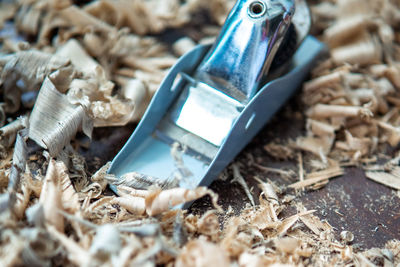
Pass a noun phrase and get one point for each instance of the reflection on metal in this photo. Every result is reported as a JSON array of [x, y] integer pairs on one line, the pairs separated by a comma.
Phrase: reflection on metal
[[206, 112]]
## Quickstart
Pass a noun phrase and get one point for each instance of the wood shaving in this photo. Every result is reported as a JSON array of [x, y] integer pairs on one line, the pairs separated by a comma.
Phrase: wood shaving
[[390, 179], [160, 201], [135, 205], [8, 133], [141, 181], [202, 253], [239, 179], [54, 120], [208, 225], [19, 160], [51, 197], [317, 177], [98, 63]]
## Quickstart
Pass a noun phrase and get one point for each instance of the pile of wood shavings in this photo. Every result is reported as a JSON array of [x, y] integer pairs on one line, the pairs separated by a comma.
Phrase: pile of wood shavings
[[96, 62], [351, 103]]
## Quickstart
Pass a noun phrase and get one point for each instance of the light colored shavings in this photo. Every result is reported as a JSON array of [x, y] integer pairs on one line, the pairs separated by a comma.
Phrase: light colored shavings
[[318, 177], [57, 195], [69, 195], [76, 253], [202, 253], [135, 205], [31, 67], [208, 225], [346, 236], [321, 229], [7, 11], [350, 101], [390, 178], [51, 198], [99, 60], [19, 160], [141, 181], [160, 201], [289, 222], [99, 176], [286, 174], [106, 242], [54, 120], [237, 177], [94, 91], [8, 133], [183, 45], [279, 151]]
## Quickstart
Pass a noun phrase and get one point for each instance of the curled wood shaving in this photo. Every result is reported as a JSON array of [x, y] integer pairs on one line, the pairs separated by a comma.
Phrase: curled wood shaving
[[54, 120], [125, 190], [135, 205], [8, 133], [69, 195], [21, 201], [74, 52], [140, 181], [345, 29], [202, 253], [100, 176], [315, 224], [160, 201], [19, 160], [80, 19], [76, 253], [31, 67], [321, 111], [111, 73], [208, 225], [287, 223], [51, 197], [106, 242]]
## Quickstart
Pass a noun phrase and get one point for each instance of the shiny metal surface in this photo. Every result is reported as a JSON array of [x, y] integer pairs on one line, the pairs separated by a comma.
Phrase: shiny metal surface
[[246, 46], [206, 112]]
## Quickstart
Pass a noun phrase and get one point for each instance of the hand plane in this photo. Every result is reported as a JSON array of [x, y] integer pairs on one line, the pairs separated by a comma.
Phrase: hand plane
[[217, 97]]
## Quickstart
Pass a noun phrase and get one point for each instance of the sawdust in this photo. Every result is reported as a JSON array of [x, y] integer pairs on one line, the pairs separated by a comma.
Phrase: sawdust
[[102, 68]]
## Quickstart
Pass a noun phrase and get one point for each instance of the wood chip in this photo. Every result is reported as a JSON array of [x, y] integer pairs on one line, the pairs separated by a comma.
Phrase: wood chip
[[391, 179], [317, 177]]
